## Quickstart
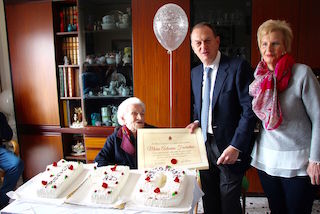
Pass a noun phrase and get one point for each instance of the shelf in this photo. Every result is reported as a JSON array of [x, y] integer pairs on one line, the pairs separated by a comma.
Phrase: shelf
[[71, 33], [113, 30], [105, 97], [70, 98], [88, 130], [68, 66], [75, 157], [68, 130]]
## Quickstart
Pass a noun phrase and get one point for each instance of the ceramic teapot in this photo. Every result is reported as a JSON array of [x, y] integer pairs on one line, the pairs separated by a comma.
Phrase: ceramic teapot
[[124, 90], [113, 87]]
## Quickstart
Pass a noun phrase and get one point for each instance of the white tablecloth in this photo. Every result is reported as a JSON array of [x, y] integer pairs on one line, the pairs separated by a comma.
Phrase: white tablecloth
[[25, 200]]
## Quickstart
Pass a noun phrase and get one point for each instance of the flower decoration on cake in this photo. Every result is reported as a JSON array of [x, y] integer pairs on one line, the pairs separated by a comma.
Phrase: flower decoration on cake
[[174, 161], [105, 185], [114, 168], [157, 190]]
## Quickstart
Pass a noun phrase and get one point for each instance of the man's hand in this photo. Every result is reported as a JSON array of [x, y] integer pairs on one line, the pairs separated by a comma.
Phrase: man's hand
[[192, 126], [313, 171], [229, 156]]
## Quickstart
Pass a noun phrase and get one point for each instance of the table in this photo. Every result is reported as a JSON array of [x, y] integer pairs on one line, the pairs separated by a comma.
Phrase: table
[[23, 205]]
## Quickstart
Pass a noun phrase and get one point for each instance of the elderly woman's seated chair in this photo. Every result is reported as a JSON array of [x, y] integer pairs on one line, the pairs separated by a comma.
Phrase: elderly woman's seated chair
[[14, 147]]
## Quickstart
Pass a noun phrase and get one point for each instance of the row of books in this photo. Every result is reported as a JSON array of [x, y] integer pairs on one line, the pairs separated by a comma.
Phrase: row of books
[[69, 82], [68, 16], [70, 48]]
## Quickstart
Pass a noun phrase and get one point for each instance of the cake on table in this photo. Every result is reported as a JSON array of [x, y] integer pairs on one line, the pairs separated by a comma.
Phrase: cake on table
[[161, 187], [57, 177], [108, 181]]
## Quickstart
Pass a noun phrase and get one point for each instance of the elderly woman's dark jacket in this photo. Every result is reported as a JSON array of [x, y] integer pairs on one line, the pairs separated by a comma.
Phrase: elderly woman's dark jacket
[[113, 152]]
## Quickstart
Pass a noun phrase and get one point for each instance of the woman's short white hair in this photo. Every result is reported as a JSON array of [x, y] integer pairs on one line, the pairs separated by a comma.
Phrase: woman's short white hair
[[123, 107]]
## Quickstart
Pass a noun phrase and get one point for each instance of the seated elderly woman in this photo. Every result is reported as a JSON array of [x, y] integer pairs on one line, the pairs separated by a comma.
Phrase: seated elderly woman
[[120, 147]]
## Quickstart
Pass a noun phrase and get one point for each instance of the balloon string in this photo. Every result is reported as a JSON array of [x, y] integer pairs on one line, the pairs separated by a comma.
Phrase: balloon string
[[170, 52]]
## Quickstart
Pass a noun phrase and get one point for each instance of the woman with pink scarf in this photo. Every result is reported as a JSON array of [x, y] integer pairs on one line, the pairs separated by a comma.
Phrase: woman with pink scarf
[[286, 98]]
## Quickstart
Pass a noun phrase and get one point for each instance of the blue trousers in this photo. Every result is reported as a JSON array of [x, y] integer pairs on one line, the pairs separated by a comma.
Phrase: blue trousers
[[13, 167], [288, 195]]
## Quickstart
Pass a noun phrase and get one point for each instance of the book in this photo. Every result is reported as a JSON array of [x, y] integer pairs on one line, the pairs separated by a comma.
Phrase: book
[[71, 82], [77, 83], [65, 82], [61, 82], [66, 117]]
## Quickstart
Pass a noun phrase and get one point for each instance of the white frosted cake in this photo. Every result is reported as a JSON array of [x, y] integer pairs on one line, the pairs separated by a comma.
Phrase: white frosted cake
[[161, 187], [58, 177], [108, 182]]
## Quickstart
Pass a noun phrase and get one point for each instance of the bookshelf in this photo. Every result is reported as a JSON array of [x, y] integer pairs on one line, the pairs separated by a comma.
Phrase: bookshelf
[[68, 77]]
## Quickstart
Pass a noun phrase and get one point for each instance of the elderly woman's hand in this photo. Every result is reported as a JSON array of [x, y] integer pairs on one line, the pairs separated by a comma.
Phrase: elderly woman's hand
[[192, 126], [313, 171]]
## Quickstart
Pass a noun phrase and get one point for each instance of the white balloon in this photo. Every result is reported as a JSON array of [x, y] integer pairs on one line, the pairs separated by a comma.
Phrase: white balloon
[[170, 25]]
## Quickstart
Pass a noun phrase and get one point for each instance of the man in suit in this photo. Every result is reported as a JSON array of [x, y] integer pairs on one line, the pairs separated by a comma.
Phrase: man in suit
[[227, 122]]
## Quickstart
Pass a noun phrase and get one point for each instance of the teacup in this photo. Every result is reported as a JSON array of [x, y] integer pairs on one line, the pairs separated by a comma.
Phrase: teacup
[[125, 18]]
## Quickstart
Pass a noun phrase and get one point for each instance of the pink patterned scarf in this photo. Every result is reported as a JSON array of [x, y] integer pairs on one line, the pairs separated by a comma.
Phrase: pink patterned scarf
[[265, 89], [126, 144]]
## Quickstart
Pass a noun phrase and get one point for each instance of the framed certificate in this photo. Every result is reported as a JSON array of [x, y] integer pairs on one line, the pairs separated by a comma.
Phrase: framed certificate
[[173, 147]]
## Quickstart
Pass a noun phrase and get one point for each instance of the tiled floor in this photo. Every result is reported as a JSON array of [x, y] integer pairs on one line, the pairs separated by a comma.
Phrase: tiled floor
[[259, 205]]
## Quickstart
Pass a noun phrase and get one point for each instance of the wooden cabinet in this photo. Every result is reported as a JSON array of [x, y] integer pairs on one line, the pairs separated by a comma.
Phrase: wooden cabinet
[[31, 51], [106, 59], [95, 138], [39, 150], [32, 68], [93, 147]]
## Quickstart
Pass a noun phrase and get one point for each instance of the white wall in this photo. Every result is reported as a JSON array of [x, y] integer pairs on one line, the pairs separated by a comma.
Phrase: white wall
[[6, 100]]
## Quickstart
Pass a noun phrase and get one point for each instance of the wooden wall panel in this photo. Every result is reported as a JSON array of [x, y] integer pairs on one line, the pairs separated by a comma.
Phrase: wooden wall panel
[[273, 9], [37, 151], [151, 68], [308, 40], [254, 181], [31, 50]]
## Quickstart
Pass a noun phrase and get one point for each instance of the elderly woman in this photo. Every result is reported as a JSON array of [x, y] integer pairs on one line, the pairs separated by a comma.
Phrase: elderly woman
[[286, 98], [120, 147]]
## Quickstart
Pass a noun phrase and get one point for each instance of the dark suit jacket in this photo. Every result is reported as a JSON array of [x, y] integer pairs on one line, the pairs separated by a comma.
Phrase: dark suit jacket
[[233, 120]]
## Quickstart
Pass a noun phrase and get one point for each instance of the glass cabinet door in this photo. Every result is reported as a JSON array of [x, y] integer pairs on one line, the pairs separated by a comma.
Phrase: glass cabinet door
[[105, 58], [232, 21]]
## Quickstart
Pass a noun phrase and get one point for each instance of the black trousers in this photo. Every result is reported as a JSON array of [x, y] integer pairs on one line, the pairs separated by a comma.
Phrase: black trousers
[[288, 195], [221, 186]]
